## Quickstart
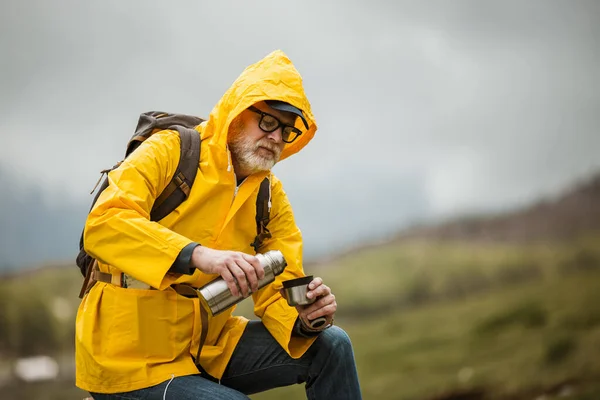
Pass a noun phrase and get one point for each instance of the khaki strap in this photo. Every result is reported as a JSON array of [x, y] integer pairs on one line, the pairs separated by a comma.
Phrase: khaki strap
[[93, 275], [106, 277]]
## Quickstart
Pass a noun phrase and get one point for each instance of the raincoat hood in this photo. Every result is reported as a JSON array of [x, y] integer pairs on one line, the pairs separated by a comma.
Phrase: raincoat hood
[[272, 78]]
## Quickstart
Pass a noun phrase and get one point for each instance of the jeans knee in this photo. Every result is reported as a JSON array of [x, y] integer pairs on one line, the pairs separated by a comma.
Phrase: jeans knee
[[336, 340]]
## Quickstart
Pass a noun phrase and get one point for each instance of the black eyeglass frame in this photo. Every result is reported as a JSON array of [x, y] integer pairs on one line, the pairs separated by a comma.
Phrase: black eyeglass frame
[[284, 132]]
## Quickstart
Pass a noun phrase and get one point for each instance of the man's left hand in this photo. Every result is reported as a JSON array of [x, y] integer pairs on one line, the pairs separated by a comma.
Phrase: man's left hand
[[325, 306]]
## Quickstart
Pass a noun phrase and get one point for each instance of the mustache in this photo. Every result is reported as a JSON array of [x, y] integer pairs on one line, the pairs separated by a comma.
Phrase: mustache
[[269, 146]]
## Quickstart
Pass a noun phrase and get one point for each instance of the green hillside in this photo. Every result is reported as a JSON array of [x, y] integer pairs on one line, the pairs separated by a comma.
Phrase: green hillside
[[428, 319], [441, 319]]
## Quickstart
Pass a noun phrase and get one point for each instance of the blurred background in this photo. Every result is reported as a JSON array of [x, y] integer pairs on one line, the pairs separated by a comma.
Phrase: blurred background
[[450, 197]]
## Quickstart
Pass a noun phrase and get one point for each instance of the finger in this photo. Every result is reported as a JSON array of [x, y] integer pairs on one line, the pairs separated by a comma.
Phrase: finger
[[250, 273], [303, 311], [317, 305], [255, 262], [326, 311], [231, 283], [239, 276], [322, 290], [315, 283]]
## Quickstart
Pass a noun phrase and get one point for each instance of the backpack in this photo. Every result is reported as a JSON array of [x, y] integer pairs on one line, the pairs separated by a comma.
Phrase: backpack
[[178, 189]]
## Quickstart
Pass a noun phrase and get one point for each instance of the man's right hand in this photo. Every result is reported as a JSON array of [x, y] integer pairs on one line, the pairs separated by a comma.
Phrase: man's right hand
[[240, 271]]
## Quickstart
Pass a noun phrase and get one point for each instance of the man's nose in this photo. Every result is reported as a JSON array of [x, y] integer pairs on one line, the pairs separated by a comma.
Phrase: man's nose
[[276, 135]]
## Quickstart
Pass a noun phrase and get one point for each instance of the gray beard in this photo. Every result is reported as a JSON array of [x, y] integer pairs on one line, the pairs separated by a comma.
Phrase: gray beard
[[246, 158]]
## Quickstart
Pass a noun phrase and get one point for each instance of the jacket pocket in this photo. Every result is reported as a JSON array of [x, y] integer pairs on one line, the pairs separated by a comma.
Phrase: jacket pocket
[[149, 324]]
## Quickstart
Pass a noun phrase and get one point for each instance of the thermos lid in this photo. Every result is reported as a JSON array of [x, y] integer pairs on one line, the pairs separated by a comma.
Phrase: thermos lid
[[305, 280]]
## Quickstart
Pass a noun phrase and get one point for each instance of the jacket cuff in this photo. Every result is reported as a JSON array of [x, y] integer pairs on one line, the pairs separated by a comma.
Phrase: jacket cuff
[[298, 331], [183, 262]]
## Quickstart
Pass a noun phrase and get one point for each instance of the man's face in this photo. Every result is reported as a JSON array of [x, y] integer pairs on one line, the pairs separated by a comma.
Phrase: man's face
[[253, 149]]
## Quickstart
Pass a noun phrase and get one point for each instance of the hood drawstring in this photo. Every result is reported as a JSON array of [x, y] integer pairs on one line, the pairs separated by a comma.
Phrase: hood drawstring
[[171, 380], [229, 164]]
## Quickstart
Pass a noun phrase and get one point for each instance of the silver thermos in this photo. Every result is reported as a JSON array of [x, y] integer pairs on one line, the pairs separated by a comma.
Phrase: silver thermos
[[217, 296]]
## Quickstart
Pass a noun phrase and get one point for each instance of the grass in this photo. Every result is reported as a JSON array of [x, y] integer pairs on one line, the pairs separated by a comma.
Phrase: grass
[[439, 348], [507, 336], [433, 318]]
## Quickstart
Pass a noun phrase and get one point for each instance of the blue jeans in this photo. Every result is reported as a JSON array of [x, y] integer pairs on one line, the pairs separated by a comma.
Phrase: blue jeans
[[259, 363]]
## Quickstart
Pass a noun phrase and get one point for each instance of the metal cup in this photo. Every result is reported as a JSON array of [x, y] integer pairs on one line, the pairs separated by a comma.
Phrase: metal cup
[[295, 290]]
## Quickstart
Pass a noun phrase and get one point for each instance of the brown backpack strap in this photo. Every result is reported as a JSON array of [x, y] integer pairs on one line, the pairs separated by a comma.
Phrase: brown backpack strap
[[189, 291], [87, 285], [263, 213], [203, 332], [180, 185]]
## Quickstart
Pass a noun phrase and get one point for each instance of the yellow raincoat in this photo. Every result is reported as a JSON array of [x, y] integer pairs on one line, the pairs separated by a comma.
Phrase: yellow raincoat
[[127, 339]]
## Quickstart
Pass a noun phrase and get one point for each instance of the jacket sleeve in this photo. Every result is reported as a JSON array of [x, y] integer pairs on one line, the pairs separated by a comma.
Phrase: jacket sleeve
[[118, 230], [277, 316]]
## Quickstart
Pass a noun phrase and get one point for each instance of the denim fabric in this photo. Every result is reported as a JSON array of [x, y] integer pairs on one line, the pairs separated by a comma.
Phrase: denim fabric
[[259, 363]]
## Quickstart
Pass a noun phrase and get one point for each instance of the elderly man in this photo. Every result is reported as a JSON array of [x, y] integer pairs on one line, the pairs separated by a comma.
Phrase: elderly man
[[145, 343]]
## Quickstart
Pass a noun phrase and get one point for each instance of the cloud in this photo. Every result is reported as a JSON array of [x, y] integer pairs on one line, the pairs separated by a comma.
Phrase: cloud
[[424, 108]]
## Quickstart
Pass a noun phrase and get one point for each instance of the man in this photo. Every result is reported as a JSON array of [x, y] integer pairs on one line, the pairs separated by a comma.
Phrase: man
[[138, 343]]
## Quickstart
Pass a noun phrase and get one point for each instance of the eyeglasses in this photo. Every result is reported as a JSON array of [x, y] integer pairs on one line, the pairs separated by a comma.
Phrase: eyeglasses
[[269, 123]]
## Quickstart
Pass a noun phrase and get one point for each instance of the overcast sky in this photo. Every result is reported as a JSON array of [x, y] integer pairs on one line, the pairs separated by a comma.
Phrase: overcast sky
[[424, 108]]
